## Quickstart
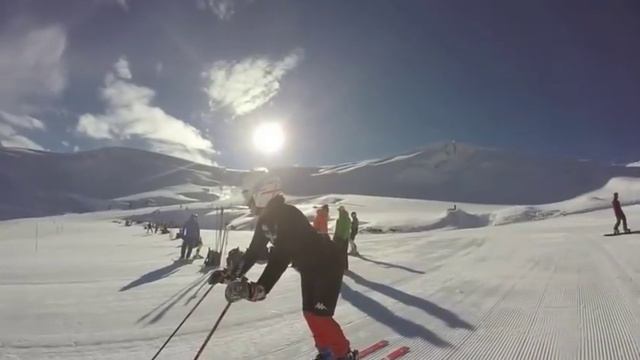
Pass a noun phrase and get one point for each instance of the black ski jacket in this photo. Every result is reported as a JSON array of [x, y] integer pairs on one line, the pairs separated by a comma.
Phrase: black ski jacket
[[294, 241]]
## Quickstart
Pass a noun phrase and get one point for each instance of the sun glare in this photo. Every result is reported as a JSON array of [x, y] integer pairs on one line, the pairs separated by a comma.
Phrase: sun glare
[[268, 137]]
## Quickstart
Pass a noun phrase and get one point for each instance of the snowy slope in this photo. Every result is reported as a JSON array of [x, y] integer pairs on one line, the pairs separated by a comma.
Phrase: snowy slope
[[90, 288], [385, 214]]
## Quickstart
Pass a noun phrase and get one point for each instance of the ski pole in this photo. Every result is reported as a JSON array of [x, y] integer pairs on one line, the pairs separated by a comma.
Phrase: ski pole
[[182, 323], [213, 330], [225, 237]]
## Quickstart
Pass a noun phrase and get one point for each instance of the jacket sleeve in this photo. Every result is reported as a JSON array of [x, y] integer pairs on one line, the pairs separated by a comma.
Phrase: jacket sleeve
[[279, 260], [258, 244]]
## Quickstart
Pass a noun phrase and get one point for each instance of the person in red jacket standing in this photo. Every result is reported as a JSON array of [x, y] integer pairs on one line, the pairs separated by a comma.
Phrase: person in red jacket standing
[[320, 222], [620, 216]]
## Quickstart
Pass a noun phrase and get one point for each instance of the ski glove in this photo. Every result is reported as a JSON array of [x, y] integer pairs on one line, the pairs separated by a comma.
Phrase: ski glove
[[222, 277], [219, 277], [240, 289]]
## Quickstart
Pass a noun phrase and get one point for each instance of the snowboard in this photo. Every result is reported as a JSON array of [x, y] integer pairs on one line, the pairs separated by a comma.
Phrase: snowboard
[[623, 233]]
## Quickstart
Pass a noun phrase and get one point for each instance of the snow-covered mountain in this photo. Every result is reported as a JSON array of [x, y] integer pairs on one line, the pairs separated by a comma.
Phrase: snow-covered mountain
[[40, 183], [35, 183], [459, 173], [635, 164]]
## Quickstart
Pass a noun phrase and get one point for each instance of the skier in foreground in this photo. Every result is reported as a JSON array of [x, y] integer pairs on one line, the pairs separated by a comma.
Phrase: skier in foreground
[[314, 256], [620, 216]]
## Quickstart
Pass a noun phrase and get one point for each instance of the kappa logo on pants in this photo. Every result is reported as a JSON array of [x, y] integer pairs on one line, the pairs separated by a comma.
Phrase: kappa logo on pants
[[320, 306]]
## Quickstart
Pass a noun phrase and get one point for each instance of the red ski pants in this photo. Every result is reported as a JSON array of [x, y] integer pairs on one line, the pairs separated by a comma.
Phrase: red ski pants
[[320, 291], [327, 334]]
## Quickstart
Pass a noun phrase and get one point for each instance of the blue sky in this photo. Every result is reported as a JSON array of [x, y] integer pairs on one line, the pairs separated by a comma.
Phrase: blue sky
[[348, 79]]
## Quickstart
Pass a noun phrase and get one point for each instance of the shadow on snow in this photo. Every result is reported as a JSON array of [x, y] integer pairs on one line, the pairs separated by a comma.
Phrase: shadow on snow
[[166, 305], [400, 325], [152, 276], [389, 265], [448, 317], [380, 313]]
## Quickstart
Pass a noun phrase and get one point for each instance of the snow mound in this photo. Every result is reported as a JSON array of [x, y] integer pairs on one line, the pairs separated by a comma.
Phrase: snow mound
[[453, 219], [628, 188]]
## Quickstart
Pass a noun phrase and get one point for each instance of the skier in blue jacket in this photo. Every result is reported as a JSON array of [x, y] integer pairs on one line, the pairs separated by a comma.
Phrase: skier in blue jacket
[[190, 233]]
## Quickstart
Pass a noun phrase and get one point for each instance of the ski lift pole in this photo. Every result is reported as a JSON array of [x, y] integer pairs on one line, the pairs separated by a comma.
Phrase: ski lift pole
[[219, 233], [213, 330], [226, 240], [221, 226]]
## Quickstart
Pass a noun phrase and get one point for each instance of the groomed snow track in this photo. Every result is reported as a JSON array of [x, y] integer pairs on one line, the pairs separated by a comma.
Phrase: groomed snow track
[[553, 289]]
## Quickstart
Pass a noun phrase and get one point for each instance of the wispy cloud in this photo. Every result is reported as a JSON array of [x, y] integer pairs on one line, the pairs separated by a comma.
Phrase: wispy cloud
[[123, 4], [22, 121], [10, 137], [159, 67], [130, 115], [223, 9], [243, 86], [121, 68], [32, 66]]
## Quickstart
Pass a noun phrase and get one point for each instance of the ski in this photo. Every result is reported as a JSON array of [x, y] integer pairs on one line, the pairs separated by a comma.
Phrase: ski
[[397, 353], [369, 350], [623, 233]]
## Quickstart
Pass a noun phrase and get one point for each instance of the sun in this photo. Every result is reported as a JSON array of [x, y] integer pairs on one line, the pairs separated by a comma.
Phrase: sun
[[268, 137]]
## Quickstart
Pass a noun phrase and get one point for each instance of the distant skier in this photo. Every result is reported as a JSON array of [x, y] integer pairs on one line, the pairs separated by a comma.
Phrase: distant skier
[[190, 234], [620, 216], [320, 222], [341, 235], [313, 255], [355, 224]]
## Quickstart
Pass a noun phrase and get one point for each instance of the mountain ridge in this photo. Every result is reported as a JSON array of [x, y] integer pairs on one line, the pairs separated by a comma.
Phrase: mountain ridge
[[37, 183]]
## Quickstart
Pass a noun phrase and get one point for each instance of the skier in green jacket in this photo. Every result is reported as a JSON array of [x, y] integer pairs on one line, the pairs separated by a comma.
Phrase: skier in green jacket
[[341, 234]]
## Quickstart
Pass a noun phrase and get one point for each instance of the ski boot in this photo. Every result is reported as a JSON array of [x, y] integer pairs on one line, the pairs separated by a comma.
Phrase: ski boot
[[627, 231], [324, 355], [351, 355]]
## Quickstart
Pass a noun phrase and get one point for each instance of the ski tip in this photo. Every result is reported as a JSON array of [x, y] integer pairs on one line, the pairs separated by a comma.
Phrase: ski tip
[[398, 353], [369, 350]]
